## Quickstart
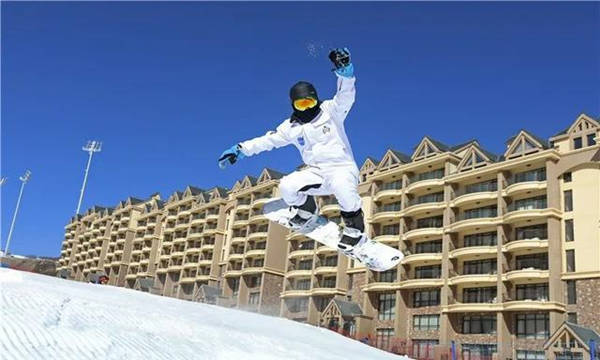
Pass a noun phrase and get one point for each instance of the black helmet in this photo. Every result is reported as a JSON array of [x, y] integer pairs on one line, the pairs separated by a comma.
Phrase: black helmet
[[300, 90]]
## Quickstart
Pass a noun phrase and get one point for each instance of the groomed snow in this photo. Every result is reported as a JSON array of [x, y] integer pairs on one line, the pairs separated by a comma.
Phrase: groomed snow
[[44, 317]]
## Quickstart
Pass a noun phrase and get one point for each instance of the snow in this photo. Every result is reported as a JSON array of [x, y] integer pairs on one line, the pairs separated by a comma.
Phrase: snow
[[43, 317]]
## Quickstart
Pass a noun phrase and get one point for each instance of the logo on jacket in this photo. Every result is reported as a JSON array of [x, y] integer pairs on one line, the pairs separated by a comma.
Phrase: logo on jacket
[[300, 141], [326, 129]]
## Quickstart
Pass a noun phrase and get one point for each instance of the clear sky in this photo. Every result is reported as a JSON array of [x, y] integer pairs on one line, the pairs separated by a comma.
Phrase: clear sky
[[168, 86]]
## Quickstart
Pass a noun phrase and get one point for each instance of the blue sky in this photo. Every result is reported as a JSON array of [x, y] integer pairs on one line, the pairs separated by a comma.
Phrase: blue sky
[[168, 86]]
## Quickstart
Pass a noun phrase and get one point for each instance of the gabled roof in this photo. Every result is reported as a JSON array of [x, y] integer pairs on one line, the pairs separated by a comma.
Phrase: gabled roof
[[584, 334], [581, 118], [427, 146], [440, 145], [236, 186], [392, 157], [193, 190], [543, 142], [455, 148], [269, 174], [134, 201], [368, 164], [347, 308]]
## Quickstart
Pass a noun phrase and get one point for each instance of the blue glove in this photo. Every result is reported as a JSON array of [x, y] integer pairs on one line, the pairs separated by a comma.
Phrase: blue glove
[[341, 60], [232, 155]]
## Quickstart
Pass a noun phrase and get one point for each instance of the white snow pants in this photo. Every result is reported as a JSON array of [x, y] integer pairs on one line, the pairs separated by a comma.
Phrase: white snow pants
[[341, 181]]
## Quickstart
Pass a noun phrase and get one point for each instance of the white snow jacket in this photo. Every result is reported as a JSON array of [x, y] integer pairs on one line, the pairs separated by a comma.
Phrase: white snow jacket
[[321, 142]]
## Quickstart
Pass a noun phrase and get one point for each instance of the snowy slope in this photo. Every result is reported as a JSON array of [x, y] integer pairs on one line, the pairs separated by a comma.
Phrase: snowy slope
[[43, 317]]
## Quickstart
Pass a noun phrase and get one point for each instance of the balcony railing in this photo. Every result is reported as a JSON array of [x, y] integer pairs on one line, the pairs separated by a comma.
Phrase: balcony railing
[[532, 175], [529, 204], [430, 175], [394, 185], [479, 187], [478, 213], [397, 206], [430, 222], [431, 198]]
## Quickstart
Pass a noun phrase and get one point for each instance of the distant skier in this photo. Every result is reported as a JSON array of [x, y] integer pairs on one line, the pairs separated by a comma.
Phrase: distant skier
[[316, 128]]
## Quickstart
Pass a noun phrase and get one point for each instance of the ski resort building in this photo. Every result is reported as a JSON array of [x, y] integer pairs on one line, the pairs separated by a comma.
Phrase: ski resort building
[[502, 250]]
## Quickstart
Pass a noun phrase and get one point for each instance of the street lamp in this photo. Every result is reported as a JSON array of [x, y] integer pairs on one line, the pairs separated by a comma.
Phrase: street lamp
[[91, 147], [24, 179]]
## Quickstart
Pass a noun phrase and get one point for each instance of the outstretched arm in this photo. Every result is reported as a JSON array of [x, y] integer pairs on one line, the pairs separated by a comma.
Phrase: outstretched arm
[[272, 139], [346, 92]]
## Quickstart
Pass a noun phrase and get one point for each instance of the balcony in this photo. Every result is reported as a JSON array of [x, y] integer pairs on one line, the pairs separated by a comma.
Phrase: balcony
[[300, 253], [459, 307], [324, 249], [429, 179], [386, 212], [257, 216], [212, 215], [203, 277], [243, 204], [187, 280], [194, 235], [423, 232], [526, 275], [483, 192], [389, 190], [175, 267], [236, 256], [259, 234], [324, 270], [237, 239], [473, 252], [252, 270], [260, 199], [298, 273], [177, 253], [421, 283], [190, 264], [324, 291], [530, 209], [424, 258], [204, 262], [526, 245], [476, 218], [255, 252], [533, 180], [533, 305], [474, 279], [240, 221]]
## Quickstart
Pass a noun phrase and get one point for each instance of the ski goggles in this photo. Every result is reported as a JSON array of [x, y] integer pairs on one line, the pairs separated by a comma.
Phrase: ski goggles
[[305, 103]]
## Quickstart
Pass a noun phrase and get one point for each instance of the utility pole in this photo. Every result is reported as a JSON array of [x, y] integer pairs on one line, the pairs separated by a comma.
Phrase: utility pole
[[91, 147], [24, 179]]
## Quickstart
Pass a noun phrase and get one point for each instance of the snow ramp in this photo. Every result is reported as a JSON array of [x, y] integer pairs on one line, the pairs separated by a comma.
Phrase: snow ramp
[[43, 317]]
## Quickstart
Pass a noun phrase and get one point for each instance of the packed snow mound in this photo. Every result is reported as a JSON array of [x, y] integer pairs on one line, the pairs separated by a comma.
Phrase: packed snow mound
[[44, 317]]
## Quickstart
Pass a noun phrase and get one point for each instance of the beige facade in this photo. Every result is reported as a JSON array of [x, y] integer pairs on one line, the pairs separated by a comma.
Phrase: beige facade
[[500, 250]]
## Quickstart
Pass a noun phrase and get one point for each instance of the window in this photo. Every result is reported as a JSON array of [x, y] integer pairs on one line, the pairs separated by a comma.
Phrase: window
[[537, 292], [567, 177], [569, 230], [430, 222], [531, 175], [305, 265], [571, 292], [303, 284], [491, 185], [479, 295], [426, 298], [590, 139], [530, 355], [426, 322], [388, 276], [577, 143], [254, 281], [423, 349], [434, 246], [538, 202], [253, 298], [329, 282], [387, 306], [478, 351], [531, 232], [533, 326], [570, 260], [568, 198], [433, 174], [383, 338], [479, 324], [572, 317], [487, 266], [391, 229], [435, 197], [487, 211], [535, 261], [482, 239], [428, 272]]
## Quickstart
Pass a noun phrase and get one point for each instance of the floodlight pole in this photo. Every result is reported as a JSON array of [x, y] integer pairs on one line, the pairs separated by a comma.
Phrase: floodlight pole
[[91, 148], [24, 179]]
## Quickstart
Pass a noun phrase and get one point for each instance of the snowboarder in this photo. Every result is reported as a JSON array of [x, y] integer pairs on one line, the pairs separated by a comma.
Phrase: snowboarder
[[316, 128]]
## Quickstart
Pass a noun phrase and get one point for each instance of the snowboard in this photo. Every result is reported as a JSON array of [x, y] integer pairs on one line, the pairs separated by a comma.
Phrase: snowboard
[[375, 255]]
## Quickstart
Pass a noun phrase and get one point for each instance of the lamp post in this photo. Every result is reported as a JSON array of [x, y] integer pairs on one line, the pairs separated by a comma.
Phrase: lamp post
[[91, 147], [24, 179]]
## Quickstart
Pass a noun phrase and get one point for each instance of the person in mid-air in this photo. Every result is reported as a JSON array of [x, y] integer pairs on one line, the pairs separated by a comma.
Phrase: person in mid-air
[[316, 128]]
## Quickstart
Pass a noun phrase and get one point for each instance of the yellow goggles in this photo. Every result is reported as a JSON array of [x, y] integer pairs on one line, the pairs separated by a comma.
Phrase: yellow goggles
[[305, 103]]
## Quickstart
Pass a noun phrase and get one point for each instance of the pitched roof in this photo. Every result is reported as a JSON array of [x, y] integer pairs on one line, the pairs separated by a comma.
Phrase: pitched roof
[[544, 143], [275, 174], [401, 156], [440, 145], [585, 334], [375, 161], [195, 190], [456, 147], [348, 308], [134, 201], [222, 191]]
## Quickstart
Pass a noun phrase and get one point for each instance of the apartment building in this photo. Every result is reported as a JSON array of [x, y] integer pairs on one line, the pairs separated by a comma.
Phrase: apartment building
[[502, 250]]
